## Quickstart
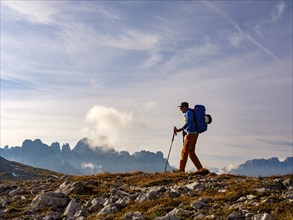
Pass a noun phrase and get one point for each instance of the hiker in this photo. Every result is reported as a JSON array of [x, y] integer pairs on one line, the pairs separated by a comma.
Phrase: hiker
[[191, 135]]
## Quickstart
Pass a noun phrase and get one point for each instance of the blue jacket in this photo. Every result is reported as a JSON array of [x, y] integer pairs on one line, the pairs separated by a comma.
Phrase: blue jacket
[[189, 126]]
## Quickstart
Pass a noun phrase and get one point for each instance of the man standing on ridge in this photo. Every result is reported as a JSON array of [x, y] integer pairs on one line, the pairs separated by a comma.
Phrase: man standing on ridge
[[191, 135]]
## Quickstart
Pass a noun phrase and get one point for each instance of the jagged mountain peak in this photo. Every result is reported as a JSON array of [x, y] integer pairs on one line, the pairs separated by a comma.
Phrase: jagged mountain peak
[[84, 158], [265, 167]]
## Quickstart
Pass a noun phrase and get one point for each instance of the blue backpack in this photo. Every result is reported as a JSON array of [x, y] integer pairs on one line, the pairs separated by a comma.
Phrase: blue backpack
[[201, 118]]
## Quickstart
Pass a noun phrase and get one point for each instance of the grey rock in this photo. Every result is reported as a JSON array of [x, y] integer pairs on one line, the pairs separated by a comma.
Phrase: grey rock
[[4, 202], [82, 213], [172, 193], [51, 216], [250, 197], [71, 208], [49, 200], [171, 215], [96, 204], [5, 189], [235, 216], [68, 188], [198, 205], [201, 203], [241, 199], [199, 215], [35, 190], [288, 183], [124, 201], [288, 195], [51, 180], [248, 215], [192, 186], [119, 193], [151, 194], [108, 209], [19, 190], [264, 216], [133, 216], [64, 178], [205, 200], [236, 206], [23, 197], [2, 211], [183, 190], [262, 190]]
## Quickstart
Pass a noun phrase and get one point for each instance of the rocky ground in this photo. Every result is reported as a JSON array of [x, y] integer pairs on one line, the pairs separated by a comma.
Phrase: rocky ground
[[148, 196]]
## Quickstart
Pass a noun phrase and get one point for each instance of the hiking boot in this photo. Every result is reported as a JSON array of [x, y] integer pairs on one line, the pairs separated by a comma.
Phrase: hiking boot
[[178, 171], [202, 171]]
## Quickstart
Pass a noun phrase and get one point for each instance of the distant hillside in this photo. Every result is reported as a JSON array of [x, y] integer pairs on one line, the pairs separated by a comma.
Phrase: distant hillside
[[263, 167], [18, 171], [83, 159]]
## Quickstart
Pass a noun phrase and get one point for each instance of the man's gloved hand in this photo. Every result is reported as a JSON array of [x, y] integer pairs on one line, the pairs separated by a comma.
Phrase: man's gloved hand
[[175, 130]]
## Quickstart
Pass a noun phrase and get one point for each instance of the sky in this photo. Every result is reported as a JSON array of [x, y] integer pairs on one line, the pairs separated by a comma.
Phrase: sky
[[115, 72]]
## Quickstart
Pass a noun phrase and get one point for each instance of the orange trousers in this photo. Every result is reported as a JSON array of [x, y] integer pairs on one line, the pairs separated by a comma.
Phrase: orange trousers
[[189, 150]]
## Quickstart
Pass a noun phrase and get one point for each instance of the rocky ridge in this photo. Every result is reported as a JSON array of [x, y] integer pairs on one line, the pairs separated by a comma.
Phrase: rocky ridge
[[159, 196], [84, 158], [18, 171]]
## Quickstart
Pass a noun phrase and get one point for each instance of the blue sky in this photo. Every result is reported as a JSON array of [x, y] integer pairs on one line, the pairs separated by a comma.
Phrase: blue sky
[[115, 71]]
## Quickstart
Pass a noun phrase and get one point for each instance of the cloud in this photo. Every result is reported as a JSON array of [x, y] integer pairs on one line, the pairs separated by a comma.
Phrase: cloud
[[50, 12], [93, 167], [90, 166], [104, 125], [154, 59], [36, 12], [242, 32], [190, 55], [131, 40], [278, 11]]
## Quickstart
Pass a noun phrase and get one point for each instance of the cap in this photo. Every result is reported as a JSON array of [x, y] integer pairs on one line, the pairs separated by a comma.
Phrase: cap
[[184, 104]]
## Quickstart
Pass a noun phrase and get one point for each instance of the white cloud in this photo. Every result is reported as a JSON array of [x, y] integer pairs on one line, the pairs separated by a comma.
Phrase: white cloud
[[90, 166], [93, 167], [37, 12], [103, 10], [154, 59], [132, 40], [104, 125], [190, 55], [242, 32], [278, 11]]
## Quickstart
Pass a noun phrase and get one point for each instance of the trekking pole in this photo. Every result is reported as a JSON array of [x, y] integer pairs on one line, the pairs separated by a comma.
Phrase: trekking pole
[[169, 151], [183, 137]]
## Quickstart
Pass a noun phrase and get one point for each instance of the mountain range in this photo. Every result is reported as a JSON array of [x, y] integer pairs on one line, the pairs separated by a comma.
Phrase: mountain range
[[83, 159], [264, 167]]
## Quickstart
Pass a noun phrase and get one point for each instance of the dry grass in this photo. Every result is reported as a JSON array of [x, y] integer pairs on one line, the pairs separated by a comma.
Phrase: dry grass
[[236, 187]]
